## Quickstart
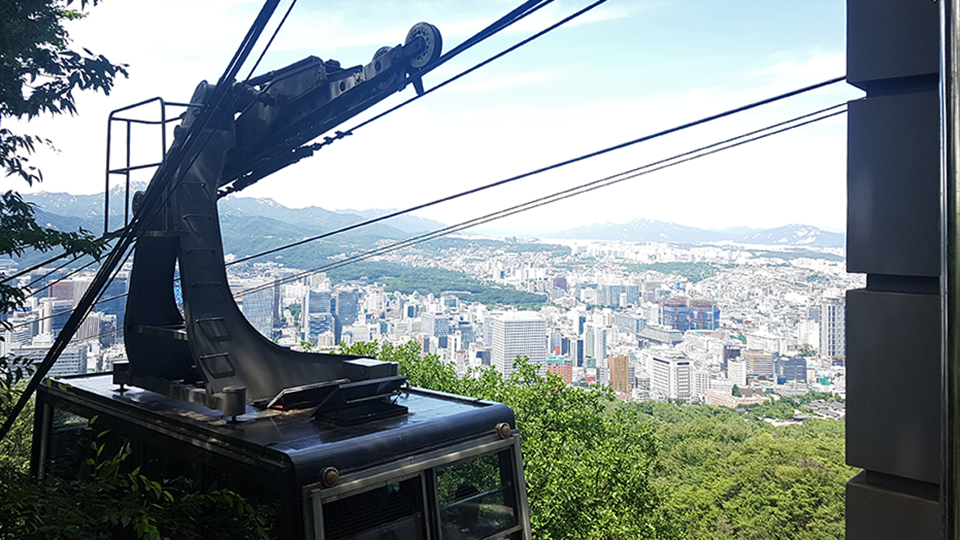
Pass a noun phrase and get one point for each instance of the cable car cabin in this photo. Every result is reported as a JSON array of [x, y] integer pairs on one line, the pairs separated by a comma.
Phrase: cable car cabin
[[448, 467]]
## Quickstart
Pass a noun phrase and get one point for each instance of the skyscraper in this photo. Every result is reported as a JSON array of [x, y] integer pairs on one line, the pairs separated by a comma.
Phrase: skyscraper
[[518, 333], [833, 326], [316, 316], [260, 308], [436, 324], [346, 306], [595, 337]]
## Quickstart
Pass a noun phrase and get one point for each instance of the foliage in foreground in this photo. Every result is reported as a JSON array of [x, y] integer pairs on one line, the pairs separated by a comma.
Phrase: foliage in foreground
[[110, 502], [599, 468], [106, 498], [588, 469], [727, 478]]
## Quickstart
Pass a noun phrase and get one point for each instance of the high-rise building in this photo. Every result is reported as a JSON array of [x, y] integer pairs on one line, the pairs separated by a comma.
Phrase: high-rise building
[[619, 295], [467, 333], [518, 333], [60, 311], [671, 377], [595, 339], [576, 352], [346, 309], [260, 308], [560, 366], [683, 314], [620, 374], [116, 290], [730, 351], [737, 372], [704, 314], [701, 382], [833, 326], [316, 316], [650, 291], [317, 301]]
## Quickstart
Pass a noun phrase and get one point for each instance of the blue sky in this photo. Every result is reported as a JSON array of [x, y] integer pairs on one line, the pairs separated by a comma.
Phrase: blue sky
[[628, 68]]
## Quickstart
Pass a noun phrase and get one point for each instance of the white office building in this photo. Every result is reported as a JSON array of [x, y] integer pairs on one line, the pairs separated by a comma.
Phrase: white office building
[[737, 372], [518, 333], [671, 377]]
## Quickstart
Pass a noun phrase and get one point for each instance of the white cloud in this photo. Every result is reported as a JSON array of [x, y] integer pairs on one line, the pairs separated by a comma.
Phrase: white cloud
[[817, 67], [450, 142]]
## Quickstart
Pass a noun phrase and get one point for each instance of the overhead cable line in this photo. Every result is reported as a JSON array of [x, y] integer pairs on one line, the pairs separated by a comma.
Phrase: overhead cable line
[[187, 154], [595, 184], [51, 272], [524, 10], [512, 17], [57, 269], [466, 72], [703, 151], [545, 169], [270, 41], [58, 280], [42, 264]]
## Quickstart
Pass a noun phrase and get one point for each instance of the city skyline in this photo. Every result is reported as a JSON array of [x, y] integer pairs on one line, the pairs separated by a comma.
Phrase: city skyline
[[623, 71]]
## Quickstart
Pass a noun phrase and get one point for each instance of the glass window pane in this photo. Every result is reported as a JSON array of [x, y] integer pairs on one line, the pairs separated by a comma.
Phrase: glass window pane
[[477, 498]]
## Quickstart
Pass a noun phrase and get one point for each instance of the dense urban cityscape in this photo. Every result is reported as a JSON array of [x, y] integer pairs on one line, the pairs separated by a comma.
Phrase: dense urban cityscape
[[725, 324]]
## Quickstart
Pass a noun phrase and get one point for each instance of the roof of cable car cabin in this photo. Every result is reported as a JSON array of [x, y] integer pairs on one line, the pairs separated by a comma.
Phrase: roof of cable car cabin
[[434, 419]]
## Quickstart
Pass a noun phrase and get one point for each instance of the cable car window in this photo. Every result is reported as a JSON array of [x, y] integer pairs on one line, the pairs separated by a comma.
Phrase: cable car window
[[477, 498], [391, 512]]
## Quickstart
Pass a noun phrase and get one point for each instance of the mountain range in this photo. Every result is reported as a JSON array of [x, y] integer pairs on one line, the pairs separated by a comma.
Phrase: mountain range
[[244, 219], [650, 230]]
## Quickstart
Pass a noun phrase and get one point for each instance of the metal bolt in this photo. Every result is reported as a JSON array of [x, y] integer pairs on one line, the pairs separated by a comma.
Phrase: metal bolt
[[329, 477]]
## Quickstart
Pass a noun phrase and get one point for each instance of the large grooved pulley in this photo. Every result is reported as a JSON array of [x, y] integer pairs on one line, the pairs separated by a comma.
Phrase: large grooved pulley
[[432, 44]]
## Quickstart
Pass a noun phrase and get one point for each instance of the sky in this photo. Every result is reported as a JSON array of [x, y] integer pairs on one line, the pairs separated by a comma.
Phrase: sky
[[627, 69]]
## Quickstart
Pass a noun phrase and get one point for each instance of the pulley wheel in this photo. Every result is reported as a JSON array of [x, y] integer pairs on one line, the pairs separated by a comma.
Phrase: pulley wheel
[[381, 51], [432, 44]]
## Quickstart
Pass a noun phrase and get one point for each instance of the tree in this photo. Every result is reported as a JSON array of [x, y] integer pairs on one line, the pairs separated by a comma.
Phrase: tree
[[736, 391], [588, 464], [726, 479], [39, 74]]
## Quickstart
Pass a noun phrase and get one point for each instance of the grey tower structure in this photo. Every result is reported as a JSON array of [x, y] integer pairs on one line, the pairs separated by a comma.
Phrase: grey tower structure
[[893, 342]]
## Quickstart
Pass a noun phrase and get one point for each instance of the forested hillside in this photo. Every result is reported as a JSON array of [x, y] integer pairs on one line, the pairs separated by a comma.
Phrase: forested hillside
[[600, 468], [726, 477]]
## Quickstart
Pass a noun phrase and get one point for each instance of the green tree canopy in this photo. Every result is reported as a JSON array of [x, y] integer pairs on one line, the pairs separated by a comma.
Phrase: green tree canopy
[[587, 465], [39, 73]]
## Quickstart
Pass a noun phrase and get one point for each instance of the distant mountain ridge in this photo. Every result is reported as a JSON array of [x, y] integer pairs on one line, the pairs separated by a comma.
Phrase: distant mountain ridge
[[651, 230], [406, 222], [67, 212], [89, 208]]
